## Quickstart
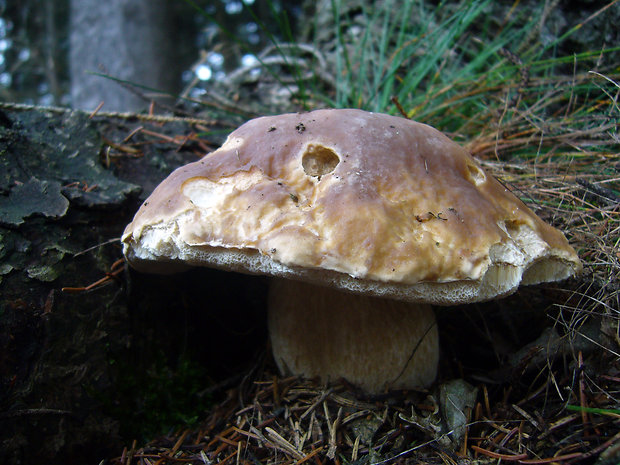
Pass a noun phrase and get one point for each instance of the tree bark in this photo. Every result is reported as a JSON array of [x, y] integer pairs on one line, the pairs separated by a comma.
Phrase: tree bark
[[129, 40], [85, 371]]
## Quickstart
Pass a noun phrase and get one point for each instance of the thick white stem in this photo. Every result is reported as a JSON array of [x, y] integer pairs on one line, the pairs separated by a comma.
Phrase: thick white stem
[[374, 343]]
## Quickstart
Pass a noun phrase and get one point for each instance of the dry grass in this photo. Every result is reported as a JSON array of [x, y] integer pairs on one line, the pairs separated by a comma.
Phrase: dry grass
[[566, 166], [291, 421]]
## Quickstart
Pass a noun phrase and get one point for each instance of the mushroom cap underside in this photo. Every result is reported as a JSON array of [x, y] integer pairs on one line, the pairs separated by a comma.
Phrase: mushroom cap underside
[[365, 202]]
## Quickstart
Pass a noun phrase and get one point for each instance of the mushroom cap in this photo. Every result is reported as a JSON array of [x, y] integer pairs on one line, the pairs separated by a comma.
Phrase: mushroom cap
[[365, 202]]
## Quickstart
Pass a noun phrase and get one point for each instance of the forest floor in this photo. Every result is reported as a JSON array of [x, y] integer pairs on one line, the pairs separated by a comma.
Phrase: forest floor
[[549, 396], [542, 367], [531, 379]]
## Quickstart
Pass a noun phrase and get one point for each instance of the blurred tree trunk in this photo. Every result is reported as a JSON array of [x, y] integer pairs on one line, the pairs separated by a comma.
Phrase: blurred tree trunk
[[131, 40]]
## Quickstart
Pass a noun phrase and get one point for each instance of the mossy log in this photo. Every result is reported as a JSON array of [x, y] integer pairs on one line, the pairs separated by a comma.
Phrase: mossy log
[[83, 371]]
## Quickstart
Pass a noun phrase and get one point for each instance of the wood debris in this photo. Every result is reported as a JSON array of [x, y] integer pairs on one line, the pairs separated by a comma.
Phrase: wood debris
[[295, 421]]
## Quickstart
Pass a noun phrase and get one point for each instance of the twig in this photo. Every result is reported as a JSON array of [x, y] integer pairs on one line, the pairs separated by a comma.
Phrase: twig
[[115, 270], [400, 108], [495, 455], [318, 402], [331, 452], [119, 115], [597, 450], [559, 458], [283, 444], [601, 191], [582, 394], [527, 416]]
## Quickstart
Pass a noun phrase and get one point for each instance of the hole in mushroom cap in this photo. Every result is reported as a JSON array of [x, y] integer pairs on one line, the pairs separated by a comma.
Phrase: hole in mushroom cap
[[476, 175], [318, 160]]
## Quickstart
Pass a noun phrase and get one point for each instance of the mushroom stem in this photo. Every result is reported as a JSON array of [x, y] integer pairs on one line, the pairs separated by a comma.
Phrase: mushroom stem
[[373, 343]]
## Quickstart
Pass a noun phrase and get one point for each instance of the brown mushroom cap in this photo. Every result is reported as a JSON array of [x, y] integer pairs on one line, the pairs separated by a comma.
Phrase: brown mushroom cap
[[365, 202]]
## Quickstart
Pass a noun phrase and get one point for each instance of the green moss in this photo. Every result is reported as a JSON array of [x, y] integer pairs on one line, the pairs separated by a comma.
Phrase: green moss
[[150, 401]]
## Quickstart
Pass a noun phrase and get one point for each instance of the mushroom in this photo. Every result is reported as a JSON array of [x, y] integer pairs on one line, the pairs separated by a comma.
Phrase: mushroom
[[364, 220]]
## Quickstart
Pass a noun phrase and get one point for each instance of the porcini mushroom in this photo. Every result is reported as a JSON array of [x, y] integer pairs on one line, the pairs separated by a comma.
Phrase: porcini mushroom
[[364, 219]]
